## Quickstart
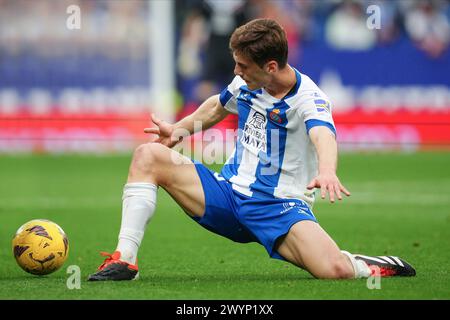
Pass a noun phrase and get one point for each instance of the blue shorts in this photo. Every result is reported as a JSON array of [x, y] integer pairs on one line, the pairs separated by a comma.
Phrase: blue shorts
[[247, 219]]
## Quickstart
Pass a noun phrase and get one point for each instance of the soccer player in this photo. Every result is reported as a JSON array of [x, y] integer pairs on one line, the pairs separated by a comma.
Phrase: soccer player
[[285, 150]]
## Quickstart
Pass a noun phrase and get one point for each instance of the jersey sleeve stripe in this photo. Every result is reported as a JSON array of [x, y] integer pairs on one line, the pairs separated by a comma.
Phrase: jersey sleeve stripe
[[225, 96], [315, 123]]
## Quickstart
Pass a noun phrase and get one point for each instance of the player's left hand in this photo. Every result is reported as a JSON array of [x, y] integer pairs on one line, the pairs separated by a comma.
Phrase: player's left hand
[[328, 182], [164, 131]]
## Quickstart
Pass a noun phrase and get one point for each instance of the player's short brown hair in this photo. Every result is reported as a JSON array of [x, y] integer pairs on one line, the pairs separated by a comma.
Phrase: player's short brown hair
[[261, 40]]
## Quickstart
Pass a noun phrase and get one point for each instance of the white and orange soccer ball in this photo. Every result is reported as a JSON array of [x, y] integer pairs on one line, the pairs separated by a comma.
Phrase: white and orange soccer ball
[[40, 247]]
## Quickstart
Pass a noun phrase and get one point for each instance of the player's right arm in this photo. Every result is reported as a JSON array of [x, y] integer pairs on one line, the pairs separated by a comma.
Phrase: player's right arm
[[207, 115]]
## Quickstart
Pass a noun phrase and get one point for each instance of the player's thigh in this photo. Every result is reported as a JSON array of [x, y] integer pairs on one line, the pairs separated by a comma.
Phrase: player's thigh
[[308, 246], [177, 175]]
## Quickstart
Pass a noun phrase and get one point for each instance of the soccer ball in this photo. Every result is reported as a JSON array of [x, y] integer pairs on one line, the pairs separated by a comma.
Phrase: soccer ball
[[40, 247]]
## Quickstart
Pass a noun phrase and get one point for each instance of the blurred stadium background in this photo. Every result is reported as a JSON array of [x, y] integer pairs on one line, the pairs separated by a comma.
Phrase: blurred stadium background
[[68, 95], [92, 89]]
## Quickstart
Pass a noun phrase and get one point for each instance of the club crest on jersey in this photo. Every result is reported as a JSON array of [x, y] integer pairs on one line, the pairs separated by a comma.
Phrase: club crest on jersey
[[274, 115], [278, 116]]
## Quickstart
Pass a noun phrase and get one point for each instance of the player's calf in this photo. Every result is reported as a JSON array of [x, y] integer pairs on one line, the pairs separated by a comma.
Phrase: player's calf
[[332, 268], [340, 269]]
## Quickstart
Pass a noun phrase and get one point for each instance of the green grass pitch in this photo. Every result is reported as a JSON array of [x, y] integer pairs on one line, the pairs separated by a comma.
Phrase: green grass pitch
[[400, 205]]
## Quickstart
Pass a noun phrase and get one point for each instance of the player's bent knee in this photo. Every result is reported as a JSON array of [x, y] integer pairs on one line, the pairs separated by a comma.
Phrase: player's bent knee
[[153, 161], [145, 157]]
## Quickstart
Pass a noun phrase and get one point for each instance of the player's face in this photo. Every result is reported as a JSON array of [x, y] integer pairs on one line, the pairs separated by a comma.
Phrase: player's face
[[254, 76]]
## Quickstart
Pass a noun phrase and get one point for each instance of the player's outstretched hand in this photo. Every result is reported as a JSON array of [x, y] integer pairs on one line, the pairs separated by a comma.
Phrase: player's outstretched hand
[[328, 182], [164, 131]]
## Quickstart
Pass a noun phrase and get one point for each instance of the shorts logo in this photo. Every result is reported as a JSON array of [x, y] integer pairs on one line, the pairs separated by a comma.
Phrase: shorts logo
[[291, 205], [288, 206]]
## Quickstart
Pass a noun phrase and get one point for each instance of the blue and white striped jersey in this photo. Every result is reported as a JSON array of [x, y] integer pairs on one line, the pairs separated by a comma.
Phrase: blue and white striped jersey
[[274, 155]]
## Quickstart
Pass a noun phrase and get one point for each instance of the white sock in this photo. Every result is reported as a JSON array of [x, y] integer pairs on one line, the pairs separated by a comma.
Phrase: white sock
[[138, 206], [360, 268]]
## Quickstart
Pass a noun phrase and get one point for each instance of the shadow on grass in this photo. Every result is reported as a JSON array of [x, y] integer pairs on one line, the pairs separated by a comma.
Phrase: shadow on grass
[[157, 279]]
